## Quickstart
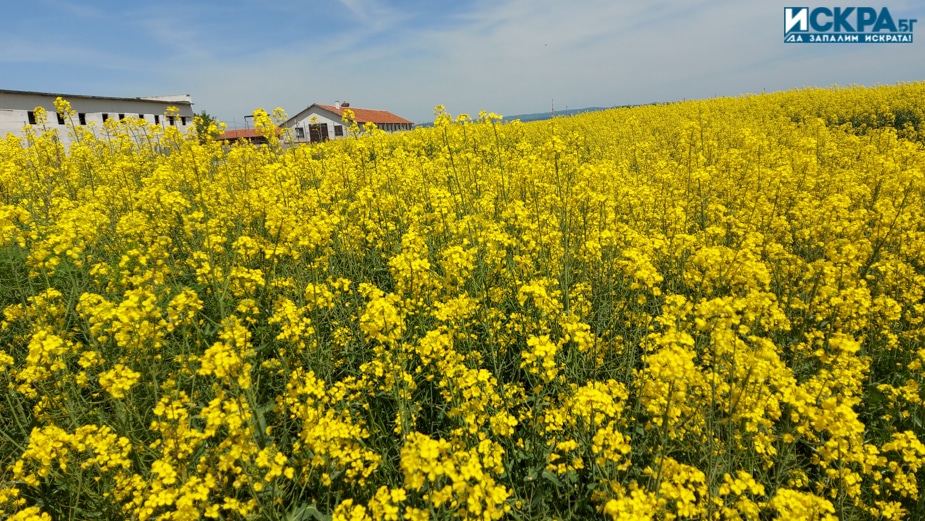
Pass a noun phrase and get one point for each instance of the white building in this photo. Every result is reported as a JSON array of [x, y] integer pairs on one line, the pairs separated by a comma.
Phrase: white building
[[323, 122], [17, 110]]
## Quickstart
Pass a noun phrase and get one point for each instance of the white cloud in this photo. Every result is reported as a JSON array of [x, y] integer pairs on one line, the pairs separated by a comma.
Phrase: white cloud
[[507, 56]]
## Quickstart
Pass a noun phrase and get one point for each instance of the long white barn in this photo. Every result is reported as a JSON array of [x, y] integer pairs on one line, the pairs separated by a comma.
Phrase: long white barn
[[17, 110]]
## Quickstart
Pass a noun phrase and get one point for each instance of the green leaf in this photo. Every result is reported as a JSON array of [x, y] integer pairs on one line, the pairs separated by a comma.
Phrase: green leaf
[[306, 512], [549, 476]]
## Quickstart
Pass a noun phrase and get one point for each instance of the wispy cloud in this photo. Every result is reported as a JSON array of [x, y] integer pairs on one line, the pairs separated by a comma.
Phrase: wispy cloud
[[181, 36], [374, 15], [18, 49]]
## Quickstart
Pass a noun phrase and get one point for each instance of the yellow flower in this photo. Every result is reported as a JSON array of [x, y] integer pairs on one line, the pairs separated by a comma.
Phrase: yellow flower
[[118, 380]]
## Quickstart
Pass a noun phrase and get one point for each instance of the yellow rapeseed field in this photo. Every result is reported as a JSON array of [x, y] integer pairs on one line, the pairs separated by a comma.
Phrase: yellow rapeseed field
[[704, 310]]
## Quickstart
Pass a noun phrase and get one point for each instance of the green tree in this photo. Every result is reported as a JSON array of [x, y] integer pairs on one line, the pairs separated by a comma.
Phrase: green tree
[[207, 127]]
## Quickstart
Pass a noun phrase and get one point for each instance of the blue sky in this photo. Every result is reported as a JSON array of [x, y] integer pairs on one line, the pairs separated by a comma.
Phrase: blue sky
[[406, 56]]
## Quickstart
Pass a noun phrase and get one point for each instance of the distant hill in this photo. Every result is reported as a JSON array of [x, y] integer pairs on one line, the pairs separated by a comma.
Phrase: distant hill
[[539, 116]]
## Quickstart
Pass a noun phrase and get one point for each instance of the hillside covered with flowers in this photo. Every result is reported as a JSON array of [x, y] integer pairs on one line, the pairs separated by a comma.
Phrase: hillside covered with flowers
[[702, 310]]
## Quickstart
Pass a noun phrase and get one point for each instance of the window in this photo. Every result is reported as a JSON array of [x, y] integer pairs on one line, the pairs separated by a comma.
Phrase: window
[[60, 118], [157, 119], [82, 118], [338, 130], [318, 132], [300, 132], [31, 117], [105, 117], [171, 120], [183, 120], [121, 117], [141, 116]]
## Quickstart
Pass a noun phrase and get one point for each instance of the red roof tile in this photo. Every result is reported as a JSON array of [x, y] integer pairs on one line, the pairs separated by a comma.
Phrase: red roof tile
[[241, 133], [378, 117]]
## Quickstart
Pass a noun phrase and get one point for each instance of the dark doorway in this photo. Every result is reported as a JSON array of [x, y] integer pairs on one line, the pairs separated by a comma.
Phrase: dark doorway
[[318, 132]]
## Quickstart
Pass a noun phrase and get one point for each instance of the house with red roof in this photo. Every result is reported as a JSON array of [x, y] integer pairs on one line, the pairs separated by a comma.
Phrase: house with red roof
[[320, 122]]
